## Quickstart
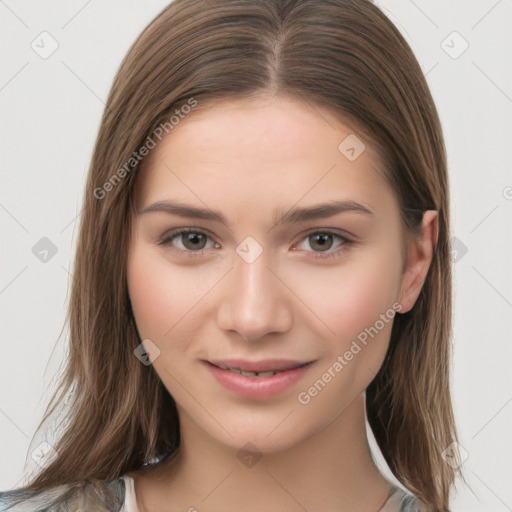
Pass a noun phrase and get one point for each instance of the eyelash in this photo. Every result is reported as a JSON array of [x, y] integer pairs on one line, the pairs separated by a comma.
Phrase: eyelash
[[167, 238]]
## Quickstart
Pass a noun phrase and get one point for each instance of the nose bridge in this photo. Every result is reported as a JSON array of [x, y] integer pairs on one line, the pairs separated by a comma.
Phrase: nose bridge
[[255, 302]]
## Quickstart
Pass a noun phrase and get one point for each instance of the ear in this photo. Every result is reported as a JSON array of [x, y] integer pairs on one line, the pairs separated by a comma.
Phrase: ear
[[419, 256]]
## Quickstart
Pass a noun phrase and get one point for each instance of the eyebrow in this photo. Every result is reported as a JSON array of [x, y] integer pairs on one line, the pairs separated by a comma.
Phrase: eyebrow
[[294, 215]]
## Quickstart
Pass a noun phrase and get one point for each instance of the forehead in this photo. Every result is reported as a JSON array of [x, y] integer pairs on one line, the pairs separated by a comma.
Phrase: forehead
[[263, 151]]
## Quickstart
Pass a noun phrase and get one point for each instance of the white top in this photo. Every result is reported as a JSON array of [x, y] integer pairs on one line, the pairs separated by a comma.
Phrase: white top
[[130, 503]]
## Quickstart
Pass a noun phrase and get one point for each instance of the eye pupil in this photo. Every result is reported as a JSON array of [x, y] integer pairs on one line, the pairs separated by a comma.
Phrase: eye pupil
[[321, 240], [194, 238]]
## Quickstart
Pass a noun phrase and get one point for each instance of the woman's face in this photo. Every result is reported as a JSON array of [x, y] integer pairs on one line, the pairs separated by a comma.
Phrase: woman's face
[[293, 256]]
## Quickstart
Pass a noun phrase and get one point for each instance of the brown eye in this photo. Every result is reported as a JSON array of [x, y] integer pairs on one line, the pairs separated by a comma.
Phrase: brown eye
[[321, 241], [322, 245], [187, 241], [194, 241]]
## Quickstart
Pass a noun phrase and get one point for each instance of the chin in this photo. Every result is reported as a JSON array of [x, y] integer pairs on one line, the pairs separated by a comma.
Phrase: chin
[[270, 436]]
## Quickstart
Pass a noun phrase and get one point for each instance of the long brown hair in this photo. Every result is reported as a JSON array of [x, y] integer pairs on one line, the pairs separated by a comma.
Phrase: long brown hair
[[342, 55]]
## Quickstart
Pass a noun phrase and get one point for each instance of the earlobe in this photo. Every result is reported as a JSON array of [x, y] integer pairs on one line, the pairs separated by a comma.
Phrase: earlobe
[[419, 257]]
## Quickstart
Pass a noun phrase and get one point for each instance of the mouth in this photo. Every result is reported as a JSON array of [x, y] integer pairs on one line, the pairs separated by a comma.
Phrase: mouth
[[260, 379], [259, 369]]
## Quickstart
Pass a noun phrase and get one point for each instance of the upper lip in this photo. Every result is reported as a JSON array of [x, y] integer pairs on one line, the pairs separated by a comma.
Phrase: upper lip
[[260, 366]]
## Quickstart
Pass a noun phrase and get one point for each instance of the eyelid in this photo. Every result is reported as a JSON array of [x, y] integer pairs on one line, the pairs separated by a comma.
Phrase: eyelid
[[325, 231], [334, 253], [167, 238]]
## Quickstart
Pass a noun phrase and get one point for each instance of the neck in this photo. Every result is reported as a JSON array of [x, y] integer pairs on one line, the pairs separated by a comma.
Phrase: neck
[[332, 470]]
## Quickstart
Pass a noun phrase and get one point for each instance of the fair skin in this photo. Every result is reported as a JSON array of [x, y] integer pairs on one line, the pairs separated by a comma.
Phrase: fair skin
[[252, 161]]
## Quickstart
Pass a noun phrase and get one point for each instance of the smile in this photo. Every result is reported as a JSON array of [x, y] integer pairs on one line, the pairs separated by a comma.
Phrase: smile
[[252, 374], [257, 384]]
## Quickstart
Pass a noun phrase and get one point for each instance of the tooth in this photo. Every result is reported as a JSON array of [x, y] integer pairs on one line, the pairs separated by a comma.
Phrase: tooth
[[266, 374], [248, 374], [258, 374]]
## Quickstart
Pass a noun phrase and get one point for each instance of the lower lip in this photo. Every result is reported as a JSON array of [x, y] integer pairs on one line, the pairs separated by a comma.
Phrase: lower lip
[[257, 387]]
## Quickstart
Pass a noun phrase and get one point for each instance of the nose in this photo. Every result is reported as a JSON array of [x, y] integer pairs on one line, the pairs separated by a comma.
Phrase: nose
[[255, 301]]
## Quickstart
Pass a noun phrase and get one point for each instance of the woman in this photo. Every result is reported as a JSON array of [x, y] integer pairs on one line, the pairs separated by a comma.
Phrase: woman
[[263, 265]]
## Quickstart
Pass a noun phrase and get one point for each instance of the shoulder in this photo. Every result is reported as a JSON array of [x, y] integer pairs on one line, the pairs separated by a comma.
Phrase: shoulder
[[100, 496], [402, 501], [97, 496]]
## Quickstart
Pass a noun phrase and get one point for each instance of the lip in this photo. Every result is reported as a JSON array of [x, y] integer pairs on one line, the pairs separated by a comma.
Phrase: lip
[[259, 366], [258, 387]]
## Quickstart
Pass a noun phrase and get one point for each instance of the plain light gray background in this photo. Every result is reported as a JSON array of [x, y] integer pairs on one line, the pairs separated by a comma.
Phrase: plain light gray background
[[50, 113]]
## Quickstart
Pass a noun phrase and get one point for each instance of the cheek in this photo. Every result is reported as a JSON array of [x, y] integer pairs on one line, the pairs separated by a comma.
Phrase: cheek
[[151, 306], [356, 302], [352, 296], [161, 295]]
